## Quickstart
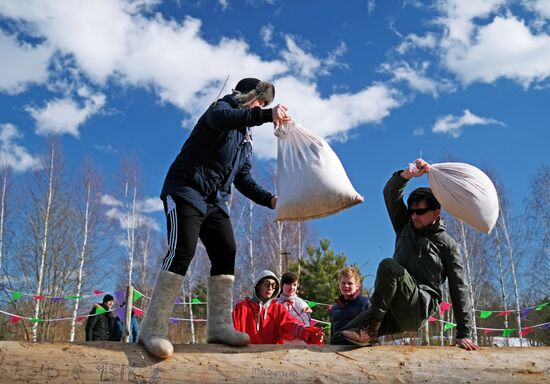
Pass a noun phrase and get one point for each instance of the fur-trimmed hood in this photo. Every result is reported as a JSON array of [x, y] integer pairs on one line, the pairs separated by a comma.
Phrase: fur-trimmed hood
[[249, 89]]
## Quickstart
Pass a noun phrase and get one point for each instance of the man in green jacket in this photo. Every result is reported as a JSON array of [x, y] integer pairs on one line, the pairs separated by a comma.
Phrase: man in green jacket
[[407, 287]]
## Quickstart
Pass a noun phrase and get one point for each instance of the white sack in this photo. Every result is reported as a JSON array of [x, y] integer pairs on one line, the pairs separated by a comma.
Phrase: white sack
[[466, 193], [311, 181]]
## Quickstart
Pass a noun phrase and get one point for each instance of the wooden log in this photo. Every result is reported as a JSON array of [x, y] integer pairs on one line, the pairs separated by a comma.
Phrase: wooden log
[[95, 362]]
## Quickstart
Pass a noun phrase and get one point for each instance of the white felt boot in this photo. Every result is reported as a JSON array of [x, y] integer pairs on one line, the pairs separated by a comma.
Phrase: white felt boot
[[220, 320], [153, 331]]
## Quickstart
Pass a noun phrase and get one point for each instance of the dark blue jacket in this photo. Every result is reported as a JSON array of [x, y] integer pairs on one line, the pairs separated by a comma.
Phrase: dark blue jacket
[[343, 311], [217, 154]]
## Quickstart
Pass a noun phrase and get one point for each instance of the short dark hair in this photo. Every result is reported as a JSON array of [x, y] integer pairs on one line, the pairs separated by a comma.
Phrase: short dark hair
[[289, 278], [423, 194]]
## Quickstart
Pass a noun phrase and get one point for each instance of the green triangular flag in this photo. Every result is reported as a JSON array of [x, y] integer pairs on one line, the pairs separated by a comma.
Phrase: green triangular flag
[[542, 306], [36, 320], [312, 304], [72, 297], [448, 326], [100, 310], [137, 295], [507, 332], [328, 326], [485, 314], [16, 295], [196, 301]]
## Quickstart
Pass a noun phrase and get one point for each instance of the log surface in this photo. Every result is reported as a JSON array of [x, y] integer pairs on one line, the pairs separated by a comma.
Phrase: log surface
[[95, 362]]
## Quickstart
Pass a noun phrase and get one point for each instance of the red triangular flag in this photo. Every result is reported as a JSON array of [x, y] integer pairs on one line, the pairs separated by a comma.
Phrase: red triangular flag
[[14, 319], [443, 307], [525, 331], [432, 319], [98, 292], [39, 297], [138, 312], [486, 331]]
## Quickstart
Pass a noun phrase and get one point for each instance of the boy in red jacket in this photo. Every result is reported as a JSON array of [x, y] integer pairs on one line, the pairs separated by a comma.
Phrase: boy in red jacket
[[268, 322]]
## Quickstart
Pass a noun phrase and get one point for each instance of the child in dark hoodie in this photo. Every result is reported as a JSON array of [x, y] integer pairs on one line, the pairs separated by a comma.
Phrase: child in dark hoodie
[[268, 322]]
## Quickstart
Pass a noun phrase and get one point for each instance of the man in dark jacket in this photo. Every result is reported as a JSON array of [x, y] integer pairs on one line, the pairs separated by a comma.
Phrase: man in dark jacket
[[196, 195], [99, 327], [407, 288]]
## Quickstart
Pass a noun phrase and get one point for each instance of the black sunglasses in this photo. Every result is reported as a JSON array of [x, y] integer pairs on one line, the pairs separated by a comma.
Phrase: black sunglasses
[[419, 211]]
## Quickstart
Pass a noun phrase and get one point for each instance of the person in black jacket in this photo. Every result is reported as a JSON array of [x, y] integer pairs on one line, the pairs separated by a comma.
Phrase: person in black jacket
[[407, 289], [99, 327], [350, 303], [196, 194]]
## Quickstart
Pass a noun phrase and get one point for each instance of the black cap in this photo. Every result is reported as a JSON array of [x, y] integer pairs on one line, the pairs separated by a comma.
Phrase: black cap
[[107, 298], [247, 84]]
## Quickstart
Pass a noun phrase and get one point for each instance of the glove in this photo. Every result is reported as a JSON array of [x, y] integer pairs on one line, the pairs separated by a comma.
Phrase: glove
[[313, 335]]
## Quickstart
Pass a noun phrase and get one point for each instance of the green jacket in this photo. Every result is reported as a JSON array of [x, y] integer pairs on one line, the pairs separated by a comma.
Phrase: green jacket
[[430, 256]]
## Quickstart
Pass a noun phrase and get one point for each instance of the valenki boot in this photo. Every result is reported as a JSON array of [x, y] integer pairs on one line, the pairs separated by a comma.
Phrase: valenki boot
[[153, 331], [220, 328]]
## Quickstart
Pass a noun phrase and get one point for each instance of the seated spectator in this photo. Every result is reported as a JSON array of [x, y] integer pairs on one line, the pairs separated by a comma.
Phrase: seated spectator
[[297, 307], [268, 322], [350, 303]]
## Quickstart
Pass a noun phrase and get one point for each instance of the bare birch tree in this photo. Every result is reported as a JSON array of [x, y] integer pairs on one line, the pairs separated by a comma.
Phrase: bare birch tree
[[5, 179], [90, 215]]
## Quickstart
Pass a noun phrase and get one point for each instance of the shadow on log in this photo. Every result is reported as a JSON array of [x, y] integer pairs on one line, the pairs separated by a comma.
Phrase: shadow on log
[[95, 362]]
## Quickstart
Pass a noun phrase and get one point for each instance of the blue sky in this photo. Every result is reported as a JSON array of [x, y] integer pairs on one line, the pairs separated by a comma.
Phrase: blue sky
[[383, 81]]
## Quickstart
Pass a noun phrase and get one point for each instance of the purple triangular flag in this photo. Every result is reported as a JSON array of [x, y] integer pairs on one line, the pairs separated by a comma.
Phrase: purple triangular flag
[[121, 312], [546, 326], [178, 301], [120, 296], [524, 313], [56, 299]]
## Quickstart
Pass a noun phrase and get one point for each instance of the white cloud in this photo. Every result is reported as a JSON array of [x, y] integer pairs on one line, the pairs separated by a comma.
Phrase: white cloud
[[503, 48], [458, 16], [21, 64], [371, 5], [110, 41], [12, 154], [303, 63], [416, 78], [110, 201], [541, 7], [224, 4], [411, 41], [266, 33], [328, 117], [135, 221], [418, 132], [453, 125], [128, 221], [106, 148], [65, 116], [153, 204]]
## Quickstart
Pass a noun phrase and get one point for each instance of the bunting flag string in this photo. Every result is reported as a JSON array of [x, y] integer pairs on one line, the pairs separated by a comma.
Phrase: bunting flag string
[[98, 311], [120, 294], [505, 331], [17, 295]]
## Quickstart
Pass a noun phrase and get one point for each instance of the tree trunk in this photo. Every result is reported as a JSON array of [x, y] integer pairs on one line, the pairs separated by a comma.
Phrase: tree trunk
[[44, 246], [83, 251], [96, 362]]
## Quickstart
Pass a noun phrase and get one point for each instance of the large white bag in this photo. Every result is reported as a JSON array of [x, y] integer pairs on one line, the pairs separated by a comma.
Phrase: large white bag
[[311, 181], [466, 193]]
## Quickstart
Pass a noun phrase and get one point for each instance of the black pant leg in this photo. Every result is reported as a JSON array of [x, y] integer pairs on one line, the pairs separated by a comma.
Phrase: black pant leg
[[217, 236], [183, 223]]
